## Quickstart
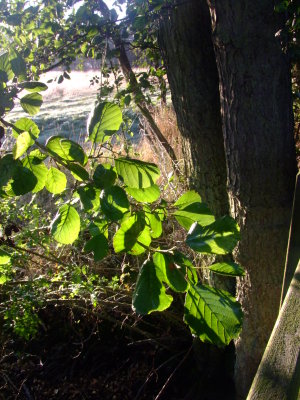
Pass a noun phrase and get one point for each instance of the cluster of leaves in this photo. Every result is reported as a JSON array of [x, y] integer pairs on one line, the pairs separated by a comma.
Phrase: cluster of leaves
[[104, 206]]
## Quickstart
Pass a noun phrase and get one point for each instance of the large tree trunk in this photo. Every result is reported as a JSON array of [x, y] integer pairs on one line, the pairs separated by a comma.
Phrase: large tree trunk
[[257, 118], [186, 44]]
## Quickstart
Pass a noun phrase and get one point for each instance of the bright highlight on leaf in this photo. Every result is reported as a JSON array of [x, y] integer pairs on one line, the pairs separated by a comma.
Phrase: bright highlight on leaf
[[149, 294], [147, 195], [212, 315], [137, 174], [66, 226], [24, 141], [228, 269]]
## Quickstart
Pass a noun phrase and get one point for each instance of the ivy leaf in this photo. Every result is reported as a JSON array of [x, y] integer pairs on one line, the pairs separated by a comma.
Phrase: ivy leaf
[[33, 87], [191, 209], [26, 125], [213, 315], [149, 294], [147, 195], [219, 237], [137, 174], [39, 170], [104, 176], [66, 225], [228, 269], [89, 197], [133, 236], [98, 245], [66, 149], [31, 103], [105, 121], [56, 181], [114, 203], [173, 274], [24, 141]]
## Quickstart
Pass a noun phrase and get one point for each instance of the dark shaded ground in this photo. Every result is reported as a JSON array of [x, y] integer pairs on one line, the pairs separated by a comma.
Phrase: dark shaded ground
[[82, 357]]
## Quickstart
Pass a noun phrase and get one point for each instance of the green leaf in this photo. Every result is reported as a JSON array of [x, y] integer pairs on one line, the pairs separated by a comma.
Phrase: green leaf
[[31, 103], [24, 141], [39, 170], [26, 125], [218, 238], [79, 173], [104, 176], [181, 260], [89, 197], [114, 203], [98, 227], [66, 225], [6, 72], [149, 294], [4, 257], [154, 222], [66, 149], [98, 245], [137, 174], [23, 181], [7, 169], [105, 121], [191, 209], [147, 195], [227, 268], [213, 315], [173, 274], [18, 65], [133, 236], [33, 87], [56, 181]]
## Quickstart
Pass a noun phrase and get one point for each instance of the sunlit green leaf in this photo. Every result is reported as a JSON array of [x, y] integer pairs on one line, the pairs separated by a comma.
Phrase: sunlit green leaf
[[39, 170], [213, 315], [31, 103], [114, 203], [23, 142], [150, 294], [147, 195], [227, 268], [191, 209], [66, 225], [56, 181], [137, 174], [219, 237], [89, 197], [105, 121], [133, 236], [4, 257], [173, 273], [33, 86], [26, 125], [66, 149]]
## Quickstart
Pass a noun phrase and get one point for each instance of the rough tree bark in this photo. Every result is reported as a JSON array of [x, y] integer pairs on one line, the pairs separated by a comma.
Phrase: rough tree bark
[[187, 49], [256, 107]]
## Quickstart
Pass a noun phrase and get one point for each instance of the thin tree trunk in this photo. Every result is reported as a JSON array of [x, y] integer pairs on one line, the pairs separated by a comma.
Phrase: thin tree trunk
[[257, 118], [187, 50]]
